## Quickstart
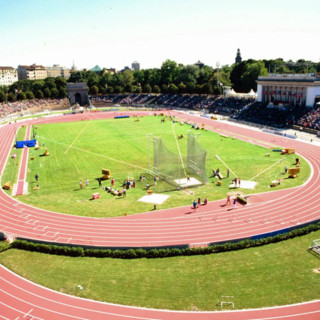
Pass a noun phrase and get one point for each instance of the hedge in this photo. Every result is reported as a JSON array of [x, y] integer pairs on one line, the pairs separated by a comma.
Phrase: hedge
[[77, 251]]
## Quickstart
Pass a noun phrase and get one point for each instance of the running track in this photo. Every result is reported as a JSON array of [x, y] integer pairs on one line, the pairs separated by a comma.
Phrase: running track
[[266, 213]]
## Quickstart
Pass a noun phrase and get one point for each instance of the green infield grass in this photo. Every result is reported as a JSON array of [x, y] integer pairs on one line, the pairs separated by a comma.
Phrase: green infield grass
[[80, 150], [275, 274]]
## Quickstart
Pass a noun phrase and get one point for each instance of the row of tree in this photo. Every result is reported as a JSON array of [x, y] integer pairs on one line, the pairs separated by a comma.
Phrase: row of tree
[[30, 89], [170, 78]]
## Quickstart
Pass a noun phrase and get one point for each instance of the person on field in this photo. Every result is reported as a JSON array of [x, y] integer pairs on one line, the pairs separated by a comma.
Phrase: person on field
[[234, 202], [194, 204]]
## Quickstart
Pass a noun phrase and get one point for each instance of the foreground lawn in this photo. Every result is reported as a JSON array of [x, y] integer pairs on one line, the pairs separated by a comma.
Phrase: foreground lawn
[[79, 150], [275, 274]]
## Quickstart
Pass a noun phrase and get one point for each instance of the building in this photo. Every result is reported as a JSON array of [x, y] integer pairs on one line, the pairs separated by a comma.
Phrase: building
[[73, 68], [238, 57], [292, 89], [58, 71], [33, 72], [78, 93], [8, 76], [135, 66], [97, 69], [109, 70], [199, 64]]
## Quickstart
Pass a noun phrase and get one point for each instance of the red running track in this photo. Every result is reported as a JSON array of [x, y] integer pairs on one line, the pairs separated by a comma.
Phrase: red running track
[[266, 213]]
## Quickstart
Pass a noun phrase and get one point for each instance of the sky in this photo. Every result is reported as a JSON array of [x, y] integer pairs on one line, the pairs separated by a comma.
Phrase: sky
[[114, 33]]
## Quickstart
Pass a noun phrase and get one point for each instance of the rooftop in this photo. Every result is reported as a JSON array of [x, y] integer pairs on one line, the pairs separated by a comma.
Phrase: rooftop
[[290, 77]]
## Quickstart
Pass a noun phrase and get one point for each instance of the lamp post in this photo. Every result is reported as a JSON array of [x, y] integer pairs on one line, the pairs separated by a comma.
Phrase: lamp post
[[218, 66]]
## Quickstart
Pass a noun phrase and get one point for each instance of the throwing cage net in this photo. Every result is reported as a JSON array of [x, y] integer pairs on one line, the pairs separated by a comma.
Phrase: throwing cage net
[[196, 159], [174, 168], [166, 164]]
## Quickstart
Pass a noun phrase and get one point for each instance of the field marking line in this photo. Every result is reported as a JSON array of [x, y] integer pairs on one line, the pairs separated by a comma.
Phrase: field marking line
[[174, 135], [267, 169], [218, 158], [99, 155], [77, 137]]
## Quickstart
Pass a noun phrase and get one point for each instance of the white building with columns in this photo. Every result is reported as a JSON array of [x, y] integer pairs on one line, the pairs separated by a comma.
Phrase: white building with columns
[[293, 89]]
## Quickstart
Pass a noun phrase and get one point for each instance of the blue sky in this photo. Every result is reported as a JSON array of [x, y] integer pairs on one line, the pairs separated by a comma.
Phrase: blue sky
[[114, 33]]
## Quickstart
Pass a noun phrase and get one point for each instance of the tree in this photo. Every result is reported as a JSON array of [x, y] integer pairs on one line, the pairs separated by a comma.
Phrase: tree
[[60, 82], [11, 97], [2, 96], [189, 74], [139, 77], [47, 92], [182, 88], [164, 88], [128, 78], [54, 93], [94, 90], [21, 96], [169, 71], [50, 83], [245, 74], [136, 89], [117, 80], [173, 88], [156, 89], [38, 85], [105, 80], [147, 88], [191, 88], [4, 89], [102, 90], [236, 74], [198, 88], [128, 88], [110, 90], [217, 91], [39, 94], [251, 74], [92, 78], [205, 74], [207, 88], [152, 76], [29, 95], [62, 93], [118, 89], [23, 85], [78, 76]]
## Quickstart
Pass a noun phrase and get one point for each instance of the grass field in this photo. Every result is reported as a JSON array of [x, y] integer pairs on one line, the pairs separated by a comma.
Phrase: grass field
[[274, 274], [79, 150]]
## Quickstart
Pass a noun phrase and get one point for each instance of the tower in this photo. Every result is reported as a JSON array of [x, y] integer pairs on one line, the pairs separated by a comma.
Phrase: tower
[[238, 57], [135, 66]]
